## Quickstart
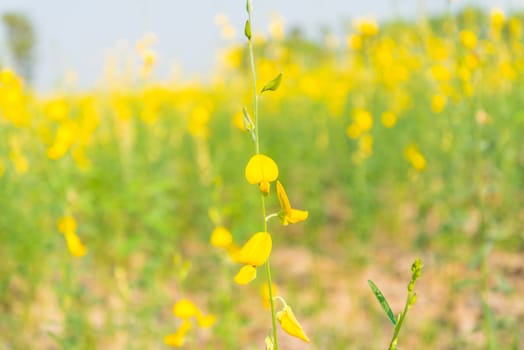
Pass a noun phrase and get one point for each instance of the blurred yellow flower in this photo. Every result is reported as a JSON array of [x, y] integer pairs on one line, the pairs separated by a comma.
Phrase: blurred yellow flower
[[177, 339], [497, 18], [185, 308], [416, 158], [221, 237], [366, 26], [468, 39], [389, 119], [287, 214], [67, 224], [205, 321], [438, 102], [75, 246], [264, 291]]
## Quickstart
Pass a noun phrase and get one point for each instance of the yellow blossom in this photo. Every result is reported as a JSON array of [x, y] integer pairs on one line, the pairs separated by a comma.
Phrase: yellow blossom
[[184, 308], [246, 274], [205, 321], [265, 294], [416, 158], [261, 170], [288, 214], [389, 119], [67, 224], [438, 102], [290, 324], [256, 250], [468, 39], [75, 245], [221, 237], [177, 339]]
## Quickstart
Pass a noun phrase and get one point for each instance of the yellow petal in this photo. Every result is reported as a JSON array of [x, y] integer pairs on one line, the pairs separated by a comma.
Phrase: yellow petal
[[175, 340], [282, 198], [261, 168], [74, 244], [221, 237], [288, 214], [205, 321], [178, 338], [296, 215], [290, 324], [256, 250], [184, 308], [265, 294], [246, 274], [67, 224]]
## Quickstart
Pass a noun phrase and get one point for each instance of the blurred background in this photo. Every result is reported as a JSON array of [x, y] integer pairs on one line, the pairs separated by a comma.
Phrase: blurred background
[[78, 38], [123, 149]]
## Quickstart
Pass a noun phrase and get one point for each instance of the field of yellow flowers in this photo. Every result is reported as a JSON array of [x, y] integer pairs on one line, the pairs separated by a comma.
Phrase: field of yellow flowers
[[123, 209]]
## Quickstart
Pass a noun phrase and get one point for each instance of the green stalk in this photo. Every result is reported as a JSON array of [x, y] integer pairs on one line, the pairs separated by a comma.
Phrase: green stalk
[[263, 202]]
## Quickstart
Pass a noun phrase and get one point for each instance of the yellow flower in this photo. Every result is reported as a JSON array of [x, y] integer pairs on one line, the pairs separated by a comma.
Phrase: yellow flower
[[415, 157], [184, 308], [67, 224], [265, 294], [468, 39], [256, 250], [177, 339], [75, 246], [221, 237], [288, 214], [438, 102], [261, 170], [389, 119], [246, 274], [290, 325], [205, 321]]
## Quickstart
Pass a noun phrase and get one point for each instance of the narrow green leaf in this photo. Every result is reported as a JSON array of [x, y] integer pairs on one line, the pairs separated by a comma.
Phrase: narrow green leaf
[[273, 84], [383, 302]]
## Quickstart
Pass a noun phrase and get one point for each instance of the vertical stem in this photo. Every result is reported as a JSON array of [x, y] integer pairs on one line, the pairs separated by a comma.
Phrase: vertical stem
[[263, 202]]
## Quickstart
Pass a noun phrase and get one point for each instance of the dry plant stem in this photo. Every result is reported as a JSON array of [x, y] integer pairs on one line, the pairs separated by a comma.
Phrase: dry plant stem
[[263, 202]]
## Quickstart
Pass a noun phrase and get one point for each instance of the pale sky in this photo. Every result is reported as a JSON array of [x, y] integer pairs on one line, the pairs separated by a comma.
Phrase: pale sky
[[79, 34]]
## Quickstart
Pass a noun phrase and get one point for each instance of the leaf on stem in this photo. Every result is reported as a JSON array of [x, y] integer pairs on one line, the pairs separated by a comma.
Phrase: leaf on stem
[[273, 84], [383, 302]]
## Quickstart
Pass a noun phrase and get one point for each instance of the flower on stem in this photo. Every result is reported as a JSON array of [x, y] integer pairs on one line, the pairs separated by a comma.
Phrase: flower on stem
[[290, 324], [67, 226], [185, 309], [261, 170], [288, 214], [253, 253]]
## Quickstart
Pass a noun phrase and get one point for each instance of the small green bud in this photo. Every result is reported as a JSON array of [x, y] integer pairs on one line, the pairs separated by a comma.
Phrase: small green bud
[[248, 122], [247, 30], [411, 285], [273, 84], [412, 300]]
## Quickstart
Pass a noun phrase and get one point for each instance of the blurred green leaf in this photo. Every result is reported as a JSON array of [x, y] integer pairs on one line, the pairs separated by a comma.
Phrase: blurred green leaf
[[273, 84]]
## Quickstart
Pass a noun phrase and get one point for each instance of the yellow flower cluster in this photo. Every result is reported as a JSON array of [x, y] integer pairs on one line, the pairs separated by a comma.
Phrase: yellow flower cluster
[[187, 312], [67, 226]]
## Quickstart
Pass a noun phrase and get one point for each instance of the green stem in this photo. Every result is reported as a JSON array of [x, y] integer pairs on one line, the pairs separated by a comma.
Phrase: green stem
[[255, 94], [263, 202], [392, 345]]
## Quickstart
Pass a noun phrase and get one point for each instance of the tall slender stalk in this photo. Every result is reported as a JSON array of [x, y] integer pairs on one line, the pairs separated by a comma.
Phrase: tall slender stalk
[[257, 150]]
